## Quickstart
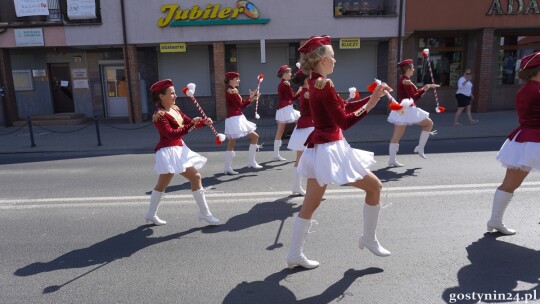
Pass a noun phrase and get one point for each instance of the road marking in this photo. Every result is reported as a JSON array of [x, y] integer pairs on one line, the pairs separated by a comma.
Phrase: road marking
[[342, 193]]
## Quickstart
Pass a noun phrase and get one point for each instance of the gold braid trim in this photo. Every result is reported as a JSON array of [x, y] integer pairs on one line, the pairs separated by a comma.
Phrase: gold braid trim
[[320, 83], [287, 83], [306, 95], [157, 115]]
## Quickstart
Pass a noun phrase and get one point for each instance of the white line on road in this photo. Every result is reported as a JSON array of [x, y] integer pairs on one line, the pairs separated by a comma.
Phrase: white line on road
[[345, 193]]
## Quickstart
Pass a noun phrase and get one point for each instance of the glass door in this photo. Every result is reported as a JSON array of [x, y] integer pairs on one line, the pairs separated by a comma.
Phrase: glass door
[[115, 91]]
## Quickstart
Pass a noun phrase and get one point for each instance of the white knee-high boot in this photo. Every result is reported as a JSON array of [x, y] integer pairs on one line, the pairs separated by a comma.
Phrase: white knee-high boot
[[501, 200], [277, 145], [392, 152], [228, 163], [297, 183], [151, 214], [424, 136], [252, 163], [204, 212], [296, 256], [369, 238]]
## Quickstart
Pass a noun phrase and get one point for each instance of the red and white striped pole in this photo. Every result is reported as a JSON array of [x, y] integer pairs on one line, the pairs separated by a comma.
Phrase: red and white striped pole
[[425, 54], [259, 80], [189, 91]]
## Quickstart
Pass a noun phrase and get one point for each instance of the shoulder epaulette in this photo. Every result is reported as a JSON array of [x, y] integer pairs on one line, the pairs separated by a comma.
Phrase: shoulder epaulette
[[407, 82], [232, 91], [175, 107], [306, 95], [287, 83], [320, 83], [157, 115]]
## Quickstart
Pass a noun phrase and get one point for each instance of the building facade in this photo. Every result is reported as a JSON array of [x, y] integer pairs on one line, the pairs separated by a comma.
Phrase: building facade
[[103, 66], [487, 36]]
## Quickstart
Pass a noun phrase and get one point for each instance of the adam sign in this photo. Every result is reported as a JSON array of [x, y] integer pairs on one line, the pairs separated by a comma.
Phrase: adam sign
[[514, 7]]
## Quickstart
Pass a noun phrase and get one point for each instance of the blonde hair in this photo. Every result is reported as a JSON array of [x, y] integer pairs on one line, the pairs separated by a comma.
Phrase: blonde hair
[[309, 61]]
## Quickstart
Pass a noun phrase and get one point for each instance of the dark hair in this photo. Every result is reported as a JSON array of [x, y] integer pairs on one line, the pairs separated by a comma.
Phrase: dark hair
[[403, 69], [155, 95], [527, 74], [280, 74], [299, 80]]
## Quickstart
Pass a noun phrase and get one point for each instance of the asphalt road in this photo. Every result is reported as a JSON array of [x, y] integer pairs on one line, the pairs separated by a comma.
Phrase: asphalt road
[[72, 232]]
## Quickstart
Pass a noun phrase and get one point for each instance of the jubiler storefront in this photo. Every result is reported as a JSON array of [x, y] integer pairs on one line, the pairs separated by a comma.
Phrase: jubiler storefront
[[194, 41], [487, 36]]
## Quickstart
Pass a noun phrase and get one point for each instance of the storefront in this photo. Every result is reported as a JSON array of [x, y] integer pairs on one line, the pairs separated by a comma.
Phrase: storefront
[[487, 36], [197, 42]]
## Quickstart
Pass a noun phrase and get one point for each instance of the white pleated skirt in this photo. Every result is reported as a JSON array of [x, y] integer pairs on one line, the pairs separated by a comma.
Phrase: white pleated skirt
[[287, 115], [298, 138], [520, 155], [177, 159], [335, 163], [238, 126], [407, 116]]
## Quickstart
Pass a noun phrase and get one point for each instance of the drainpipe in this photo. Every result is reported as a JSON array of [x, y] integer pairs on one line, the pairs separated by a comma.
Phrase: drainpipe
[[126, 63], [399, 38]]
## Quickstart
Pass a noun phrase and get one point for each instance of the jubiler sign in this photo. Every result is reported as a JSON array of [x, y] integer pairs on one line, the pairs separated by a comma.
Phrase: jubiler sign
[[211, 14], [513, 7]]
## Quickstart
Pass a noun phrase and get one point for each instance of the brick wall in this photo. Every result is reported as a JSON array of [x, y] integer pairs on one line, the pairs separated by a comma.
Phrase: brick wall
[[484, 68], [219, 78], [9, 101]]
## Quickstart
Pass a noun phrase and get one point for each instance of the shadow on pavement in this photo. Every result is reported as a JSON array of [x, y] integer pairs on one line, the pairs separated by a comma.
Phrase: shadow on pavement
[[497, 272], [388, 175], [270, 291]]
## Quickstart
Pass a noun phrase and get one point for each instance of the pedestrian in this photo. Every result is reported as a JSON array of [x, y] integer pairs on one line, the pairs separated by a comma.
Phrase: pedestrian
[[303, 128], [328, 158], [410, 114], [464, 97], [236, 124], [172, 154], [285, 112], [520, 153]]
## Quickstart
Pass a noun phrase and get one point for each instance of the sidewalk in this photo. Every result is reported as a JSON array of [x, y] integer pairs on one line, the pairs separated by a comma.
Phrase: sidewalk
[[141, 138]]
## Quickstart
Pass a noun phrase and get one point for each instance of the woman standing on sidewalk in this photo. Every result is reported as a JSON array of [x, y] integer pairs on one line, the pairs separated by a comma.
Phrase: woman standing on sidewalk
[[464, 96], [328, 158], [172, 155], [236, 124], [285, 113], [303, 128], [520, 153], [410, 114]]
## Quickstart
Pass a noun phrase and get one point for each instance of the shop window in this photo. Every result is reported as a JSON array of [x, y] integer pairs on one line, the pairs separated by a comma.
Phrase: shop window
[[511, 49], [345, 8], [22, 80], [446, 58]]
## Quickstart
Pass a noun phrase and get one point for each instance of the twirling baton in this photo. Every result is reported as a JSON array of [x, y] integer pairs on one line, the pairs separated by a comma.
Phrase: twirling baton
[[189, 91], [259, 80], [353, 94], [394, 105], [438, 109]]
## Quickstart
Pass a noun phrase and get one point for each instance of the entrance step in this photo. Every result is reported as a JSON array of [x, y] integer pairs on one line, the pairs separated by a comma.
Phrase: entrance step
[[56, 119]]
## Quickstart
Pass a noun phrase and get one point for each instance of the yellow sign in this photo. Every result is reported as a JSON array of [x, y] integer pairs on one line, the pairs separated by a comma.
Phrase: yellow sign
[[173, 47], [349, 43], [211, 14]]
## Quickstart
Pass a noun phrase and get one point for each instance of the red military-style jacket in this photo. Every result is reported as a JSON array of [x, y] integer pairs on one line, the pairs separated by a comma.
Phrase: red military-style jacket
[[528, 110], [305, 120], [285, 94], [170, 130], [330, 113], [407, 89], [234, 101]]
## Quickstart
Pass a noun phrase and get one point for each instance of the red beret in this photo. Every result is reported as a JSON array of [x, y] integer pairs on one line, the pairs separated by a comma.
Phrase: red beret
[[530, 61], [405, 62], [160, 85], [314, 42], [283, 68], [231, 75]]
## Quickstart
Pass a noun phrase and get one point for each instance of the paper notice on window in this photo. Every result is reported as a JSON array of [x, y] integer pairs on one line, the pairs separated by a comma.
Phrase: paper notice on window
[[25, 8], [64, 83], [81, 9]]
